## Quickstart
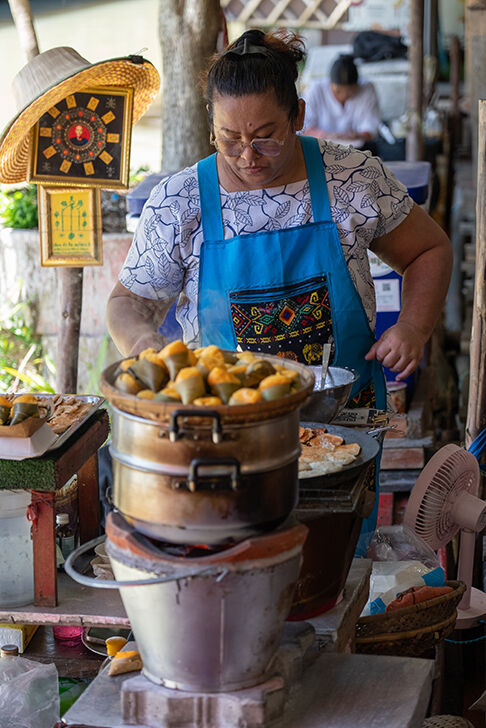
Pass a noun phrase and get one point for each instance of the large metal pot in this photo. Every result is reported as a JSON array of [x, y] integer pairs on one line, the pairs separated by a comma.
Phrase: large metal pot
[[209, 632], [192, 475], [193, 490]]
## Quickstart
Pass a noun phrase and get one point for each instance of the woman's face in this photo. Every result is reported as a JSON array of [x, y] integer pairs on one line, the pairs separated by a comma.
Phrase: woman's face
[[256, 116], [343, 92]]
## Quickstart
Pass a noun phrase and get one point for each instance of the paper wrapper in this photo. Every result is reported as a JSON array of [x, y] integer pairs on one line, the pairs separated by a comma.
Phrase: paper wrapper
[[23, 429]]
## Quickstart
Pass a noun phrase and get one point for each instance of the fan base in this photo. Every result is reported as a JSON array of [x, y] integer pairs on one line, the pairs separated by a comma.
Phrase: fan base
[[467, 618]]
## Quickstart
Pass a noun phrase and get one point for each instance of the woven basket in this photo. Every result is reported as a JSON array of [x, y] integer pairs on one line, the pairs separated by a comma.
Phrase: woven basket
[[411, 631], [447, 721]]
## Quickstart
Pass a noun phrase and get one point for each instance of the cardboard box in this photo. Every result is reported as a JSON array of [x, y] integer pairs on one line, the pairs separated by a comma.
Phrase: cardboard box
[[17, 634]]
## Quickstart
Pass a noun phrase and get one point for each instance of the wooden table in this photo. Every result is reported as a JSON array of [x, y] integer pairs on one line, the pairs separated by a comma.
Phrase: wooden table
[[43, 476]]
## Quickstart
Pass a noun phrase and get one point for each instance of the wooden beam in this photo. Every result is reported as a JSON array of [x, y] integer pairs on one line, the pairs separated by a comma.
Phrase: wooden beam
[[476, 408], [414, 143], [476, 66], [337, 13], [278, 9]]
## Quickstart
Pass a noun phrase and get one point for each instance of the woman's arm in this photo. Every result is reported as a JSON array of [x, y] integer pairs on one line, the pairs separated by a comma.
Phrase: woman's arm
[[421, 252], [133, 321]]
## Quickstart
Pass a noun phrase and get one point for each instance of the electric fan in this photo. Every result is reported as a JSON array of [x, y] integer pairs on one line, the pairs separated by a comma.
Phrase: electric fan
[[442, 502]]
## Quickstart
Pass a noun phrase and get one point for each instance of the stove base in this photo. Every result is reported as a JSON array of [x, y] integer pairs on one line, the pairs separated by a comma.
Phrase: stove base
[[261, 706]]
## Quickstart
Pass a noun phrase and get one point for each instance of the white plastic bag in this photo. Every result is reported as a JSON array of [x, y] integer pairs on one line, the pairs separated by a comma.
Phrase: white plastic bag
[[29, 694], [400, 543]]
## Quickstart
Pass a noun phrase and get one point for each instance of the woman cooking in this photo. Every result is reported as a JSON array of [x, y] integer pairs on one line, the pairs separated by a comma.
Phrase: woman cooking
[[264, 243]]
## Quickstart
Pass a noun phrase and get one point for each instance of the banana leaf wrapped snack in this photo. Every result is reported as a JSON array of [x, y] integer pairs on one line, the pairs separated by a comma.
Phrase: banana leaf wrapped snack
[[274, 386], [5, 409], [222, 383], [205, 377], [176, 356], [24, 406], [128, 384], [150, 370], [190, 384]]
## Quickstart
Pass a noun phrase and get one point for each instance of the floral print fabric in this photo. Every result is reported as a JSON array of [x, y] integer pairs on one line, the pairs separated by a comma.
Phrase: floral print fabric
[[367, 201]]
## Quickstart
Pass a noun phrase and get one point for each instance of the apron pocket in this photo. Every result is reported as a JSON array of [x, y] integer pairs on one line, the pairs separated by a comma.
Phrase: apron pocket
[[292, 321]]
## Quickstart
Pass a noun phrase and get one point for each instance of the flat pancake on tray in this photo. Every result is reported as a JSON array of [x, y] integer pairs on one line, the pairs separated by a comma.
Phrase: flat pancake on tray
[[324, 453]]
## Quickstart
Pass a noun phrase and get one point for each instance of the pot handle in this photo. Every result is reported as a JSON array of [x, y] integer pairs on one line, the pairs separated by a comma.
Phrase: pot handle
[[218, 571], [233, 471], [174, 430]]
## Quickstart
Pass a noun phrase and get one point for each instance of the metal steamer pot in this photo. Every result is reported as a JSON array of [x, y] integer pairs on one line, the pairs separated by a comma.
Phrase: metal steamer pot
[[195, 475]]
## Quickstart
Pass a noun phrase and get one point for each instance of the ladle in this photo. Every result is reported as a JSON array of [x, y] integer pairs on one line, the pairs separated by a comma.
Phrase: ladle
[[326, 353]]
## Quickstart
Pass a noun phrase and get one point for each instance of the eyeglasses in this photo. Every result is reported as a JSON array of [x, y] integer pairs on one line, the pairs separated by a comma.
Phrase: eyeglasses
[[234, 148]]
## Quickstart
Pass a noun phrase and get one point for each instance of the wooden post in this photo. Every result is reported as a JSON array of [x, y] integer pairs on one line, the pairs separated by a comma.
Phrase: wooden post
[[414, 144], [453, 134], [476, 66], [455, 79], [476, 408], [71, 285]]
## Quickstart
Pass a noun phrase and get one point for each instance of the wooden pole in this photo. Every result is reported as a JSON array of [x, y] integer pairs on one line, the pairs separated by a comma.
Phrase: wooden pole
[[414, 143], [71, 290], [453, 130], [476, 408], [476, 66]]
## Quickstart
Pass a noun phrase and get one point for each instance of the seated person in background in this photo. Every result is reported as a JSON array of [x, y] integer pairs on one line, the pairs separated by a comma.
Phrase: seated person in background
[[341, 107]]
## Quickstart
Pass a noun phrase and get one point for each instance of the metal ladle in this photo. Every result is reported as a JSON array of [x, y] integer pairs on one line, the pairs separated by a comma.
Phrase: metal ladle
[[326, 353]]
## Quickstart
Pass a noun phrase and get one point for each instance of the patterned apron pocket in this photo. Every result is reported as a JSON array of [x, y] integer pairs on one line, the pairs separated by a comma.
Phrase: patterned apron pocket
[[292, 321], [366, 397]]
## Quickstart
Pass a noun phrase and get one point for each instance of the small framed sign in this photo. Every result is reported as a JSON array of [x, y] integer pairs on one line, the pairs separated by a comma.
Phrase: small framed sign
[[84, 140], [70, 226]]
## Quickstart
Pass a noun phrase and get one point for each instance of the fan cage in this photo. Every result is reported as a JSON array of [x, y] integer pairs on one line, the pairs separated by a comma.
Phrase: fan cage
[[434, 521]]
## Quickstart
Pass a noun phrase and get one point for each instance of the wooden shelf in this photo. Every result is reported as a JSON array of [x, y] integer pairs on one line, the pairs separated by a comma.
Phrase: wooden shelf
[[77, 605]]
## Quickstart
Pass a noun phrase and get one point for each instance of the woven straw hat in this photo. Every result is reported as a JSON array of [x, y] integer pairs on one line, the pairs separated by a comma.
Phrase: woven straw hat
[[51, 76]]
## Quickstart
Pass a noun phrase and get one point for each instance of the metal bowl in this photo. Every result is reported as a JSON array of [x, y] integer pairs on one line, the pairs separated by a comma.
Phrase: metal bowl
[[328, 401]]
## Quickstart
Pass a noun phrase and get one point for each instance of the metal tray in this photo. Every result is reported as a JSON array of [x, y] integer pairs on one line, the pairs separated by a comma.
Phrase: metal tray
[[92, 399]]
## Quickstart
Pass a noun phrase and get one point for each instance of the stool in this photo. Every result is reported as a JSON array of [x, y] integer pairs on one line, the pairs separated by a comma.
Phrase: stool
[[44, 476]]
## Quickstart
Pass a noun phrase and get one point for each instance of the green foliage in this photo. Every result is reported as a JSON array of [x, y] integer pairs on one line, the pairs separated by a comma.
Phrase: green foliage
[[98, 366], [137, 175], [21, 358], [18, 208]]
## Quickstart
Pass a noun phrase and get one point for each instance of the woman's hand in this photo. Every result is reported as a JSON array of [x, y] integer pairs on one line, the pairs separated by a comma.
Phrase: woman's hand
[[400, 348]]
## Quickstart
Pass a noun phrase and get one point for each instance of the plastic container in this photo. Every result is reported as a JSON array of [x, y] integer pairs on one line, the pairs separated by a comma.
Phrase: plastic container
[[137, 197], [388, 284], [16, 552], [398, 395], [68, 635]]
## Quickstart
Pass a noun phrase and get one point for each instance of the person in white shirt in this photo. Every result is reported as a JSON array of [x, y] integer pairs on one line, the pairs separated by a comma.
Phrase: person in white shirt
[[342, 107]]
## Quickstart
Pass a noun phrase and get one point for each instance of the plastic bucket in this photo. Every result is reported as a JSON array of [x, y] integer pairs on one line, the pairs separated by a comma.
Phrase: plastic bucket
[[16, 552]]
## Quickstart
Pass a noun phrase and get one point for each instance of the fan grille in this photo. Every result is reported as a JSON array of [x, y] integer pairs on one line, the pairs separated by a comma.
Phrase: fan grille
[[449, 473]]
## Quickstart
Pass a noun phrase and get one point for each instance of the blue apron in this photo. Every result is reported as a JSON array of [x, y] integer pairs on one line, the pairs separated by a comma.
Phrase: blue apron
[[286, 292]]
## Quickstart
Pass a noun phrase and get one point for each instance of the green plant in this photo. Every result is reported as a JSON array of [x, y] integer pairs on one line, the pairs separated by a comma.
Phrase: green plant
[[137, 175], [22, 360], [18, 208], [96, 368]]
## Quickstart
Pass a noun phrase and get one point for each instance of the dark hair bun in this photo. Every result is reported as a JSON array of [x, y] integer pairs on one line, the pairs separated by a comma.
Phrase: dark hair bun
[[344, 71], [253, 36]]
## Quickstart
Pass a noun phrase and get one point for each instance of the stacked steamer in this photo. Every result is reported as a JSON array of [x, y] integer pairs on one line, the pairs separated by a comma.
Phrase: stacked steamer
[[205, 458]]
